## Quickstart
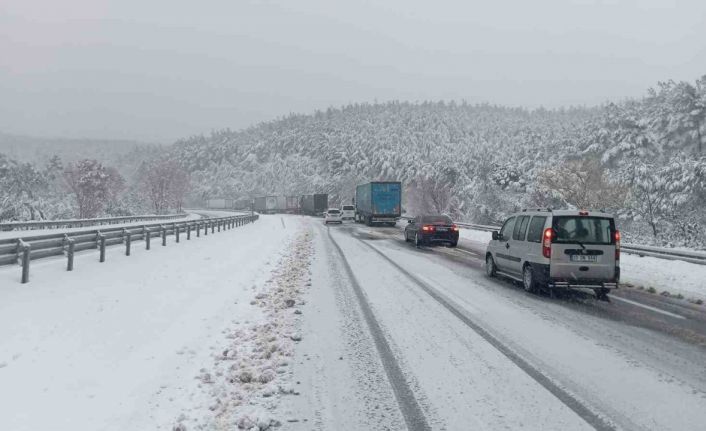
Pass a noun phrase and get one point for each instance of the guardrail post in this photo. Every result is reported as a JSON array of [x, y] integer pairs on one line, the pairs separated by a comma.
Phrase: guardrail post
[[70, 253], [148, 236], [198, 229], [205, 229], [213, 228], [188, 231], [176, 232], [219, 222], [101, 246], [26, 250], [164, 235], [128, 242]]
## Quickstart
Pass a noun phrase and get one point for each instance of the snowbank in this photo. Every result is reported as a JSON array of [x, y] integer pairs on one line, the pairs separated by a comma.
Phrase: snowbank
[[131, 343]]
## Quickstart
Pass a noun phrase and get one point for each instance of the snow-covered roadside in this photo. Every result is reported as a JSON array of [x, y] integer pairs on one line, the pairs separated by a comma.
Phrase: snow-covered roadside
[[39, 232], [127, 344], [673, 276]]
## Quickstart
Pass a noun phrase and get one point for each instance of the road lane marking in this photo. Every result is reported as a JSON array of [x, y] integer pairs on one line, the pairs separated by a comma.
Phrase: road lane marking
[[647, 307]]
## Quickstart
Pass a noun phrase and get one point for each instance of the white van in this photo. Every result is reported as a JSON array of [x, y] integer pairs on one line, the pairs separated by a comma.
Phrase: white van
[[557, 249], [348, 212]]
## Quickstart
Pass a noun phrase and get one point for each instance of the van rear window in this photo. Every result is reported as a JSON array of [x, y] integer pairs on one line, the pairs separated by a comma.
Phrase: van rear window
[[586, 230]]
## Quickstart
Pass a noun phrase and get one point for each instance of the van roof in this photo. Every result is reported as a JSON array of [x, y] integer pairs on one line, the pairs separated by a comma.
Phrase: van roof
[[587, 213]]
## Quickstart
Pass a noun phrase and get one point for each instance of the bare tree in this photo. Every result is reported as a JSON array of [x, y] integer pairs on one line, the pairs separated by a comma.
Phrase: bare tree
[[430, 196], [165, 184], [92, 185]]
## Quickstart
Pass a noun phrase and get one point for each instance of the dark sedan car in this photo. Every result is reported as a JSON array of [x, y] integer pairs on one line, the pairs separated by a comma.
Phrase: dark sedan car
[[431, 229]]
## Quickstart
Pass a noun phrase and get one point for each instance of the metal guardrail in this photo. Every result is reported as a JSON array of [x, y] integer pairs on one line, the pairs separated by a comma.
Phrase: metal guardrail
[[73, 223], [636, 249], [25, 249]]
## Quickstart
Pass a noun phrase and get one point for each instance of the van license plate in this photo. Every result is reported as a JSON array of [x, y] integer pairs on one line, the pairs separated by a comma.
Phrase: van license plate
[[583, 258]]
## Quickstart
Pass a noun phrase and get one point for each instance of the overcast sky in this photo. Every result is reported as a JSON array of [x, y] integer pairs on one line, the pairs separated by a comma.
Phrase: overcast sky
[[159, 70]]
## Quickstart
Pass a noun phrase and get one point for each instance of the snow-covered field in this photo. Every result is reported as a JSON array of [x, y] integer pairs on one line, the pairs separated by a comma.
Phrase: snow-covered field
[[152, 341], [673, 276]]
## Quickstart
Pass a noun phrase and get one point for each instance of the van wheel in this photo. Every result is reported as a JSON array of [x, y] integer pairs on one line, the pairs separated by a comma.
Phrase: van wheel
[[490, 268], [528, 279]]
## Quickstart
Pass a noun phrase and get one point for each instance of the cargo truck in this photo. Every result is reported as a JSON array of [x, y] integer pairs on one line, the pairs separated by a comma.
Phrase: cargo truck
[[260, 204], [292, 206], [270, 204], [314, 205], [378, 202], [281, 207]]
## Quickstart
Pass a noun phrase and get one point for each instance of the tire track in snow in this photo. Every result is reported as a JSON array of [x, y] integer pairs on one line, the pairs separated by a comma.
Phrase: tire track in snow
[[411, 411], [596, 420]]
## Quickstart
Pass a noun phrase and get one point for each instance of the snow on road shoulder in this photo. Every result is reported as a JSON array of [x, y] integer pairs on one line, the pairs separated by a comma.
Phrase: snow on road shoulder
[[249, 374], [120, 345]]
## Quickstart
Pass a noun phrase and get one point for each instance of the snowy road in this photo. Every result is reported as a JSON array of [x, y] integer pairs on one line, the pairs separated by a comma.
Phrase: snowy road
[[289, 322], [480, 353]]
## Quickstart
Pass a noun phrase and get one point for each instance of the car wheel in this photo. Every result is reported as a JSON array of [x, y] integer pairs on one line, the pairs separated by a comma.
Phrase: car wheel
[[453, 244], [528, 282], [417, 241], [490, 269]]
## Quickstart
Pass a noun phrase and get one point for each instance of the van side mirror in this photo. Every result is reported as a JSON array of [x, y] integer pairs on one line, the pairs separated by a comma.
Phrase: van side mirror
[[496, 235]]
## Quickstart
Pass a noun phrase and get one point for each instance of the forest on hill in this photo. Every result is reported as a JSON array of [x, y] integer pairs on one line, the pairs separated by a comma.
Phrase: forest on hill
[[641, 159]]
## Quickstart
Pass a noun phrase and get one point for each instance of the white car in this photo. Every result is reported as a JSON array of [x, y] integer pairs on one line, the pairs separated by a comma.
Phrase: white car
[[348, 212], [333, 215]]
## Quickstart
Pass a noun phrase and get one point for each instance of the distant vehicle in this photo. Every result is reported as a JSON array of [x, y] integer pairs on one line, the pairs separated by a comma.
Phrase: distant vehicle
[[378, 202], [557, 249], [333, 215], [348, 212], [281, 205], [219, 203], [270, 204], [314, 205], [431, 229], [260, 204], [292, 205]]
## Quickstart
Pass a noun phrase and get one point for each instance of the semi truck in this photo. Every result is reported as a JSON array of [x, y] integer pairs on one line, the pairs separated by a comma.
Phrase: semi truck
[[281, 207], [314, 205], [378, 202], [260, 204], [292, 205], [219, 203]]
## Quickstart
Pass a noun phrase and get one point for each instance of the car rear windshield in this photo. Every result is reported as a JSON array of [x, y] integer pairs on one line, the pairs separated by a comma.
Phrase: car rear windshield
[[348, 207], [437, 220], [584, 230], [334, 212]]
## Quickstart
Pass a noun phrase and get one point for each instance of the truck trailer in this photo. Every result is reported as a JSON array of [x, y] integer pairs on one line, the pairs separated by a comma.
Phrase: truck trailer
[[378, 202], [292, 205], [314, 205], [260, 204]]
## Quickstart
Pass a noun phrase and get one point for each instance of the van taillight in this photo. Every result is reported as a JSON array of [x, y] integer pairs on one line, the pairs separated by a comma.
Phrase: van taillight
[[547, 242], [617, 245]]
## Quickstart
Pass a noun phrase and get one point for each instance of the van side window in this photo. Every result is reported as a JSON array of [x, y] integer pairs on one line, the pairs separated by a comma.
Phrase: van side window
[[507, 229], [520, 228], [536, 227]]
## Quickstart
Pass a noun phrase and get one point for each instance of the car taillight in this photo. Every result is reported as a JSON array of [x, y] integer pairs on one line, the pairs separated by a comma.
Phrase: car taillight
[[547, 242], [617, 245], [454, 228], [428, 228]]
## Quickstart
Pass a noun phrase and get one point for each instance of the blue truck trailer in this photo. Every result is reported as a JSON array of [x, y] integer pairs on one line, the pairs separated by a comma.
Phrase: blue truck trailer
[[378, 202]]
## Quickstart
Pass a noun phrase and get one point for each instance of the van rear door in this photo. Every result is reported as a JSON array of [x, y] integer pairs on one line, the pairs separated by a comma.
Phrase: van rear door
[[583, 248]]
